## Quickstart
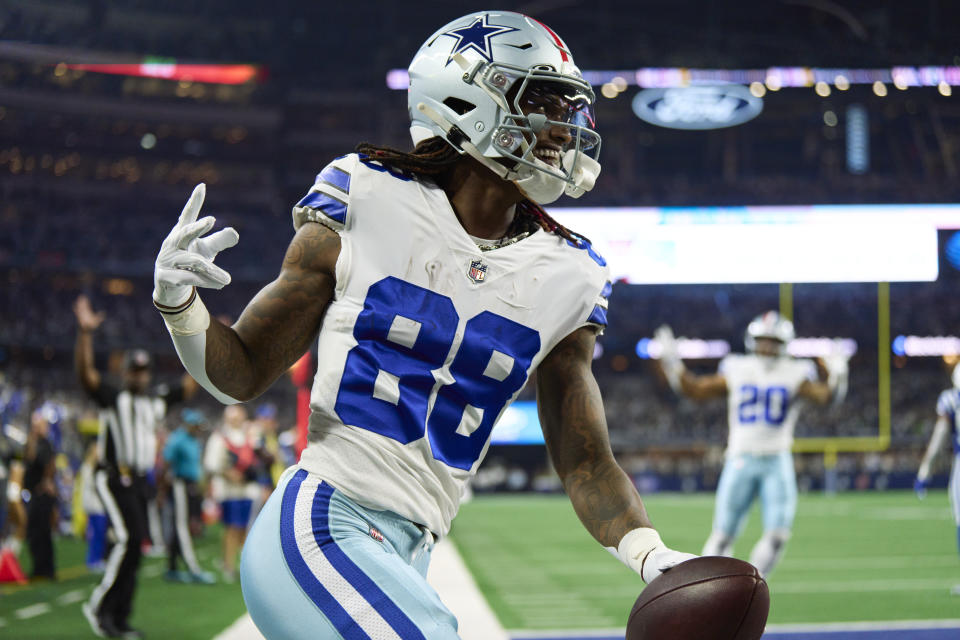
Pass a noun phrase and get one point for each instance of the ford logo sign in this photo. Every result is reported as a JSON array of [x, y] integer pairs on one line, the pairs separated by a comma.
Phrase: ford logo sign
[[697, 107]]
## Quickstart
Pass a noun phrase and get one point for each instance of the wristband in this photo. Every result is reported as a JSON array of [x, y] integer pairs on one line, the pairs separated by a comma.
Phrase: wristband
[[635, 546], [189, 319]]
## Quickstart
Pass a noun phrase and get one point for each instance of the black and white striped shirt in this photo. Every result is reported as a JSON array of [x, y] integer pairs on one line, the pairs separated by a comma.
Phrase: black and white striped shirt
[[128, 423]]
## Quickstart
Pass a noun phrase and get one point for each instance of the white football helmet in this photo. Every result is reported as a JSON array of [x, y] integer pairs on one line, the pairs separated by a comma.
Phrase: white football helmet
[[769, 325], [469, 83]]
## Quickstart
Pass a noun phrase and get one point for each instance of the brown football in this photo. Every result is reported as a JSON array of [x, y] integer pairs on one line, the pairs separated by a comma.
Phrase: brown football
[[707, 598]]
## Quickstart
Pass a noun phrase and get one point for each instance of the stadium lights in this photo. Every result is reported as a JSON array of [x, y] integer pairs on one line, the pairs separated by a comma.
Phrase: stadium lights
[[926, 346], [696, 349], [170, 70], [774, 78], [688, 348]]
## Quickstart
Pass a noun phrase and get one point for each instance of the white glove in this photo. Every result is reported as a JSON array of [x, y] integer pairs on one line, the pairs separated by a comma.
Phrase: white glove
[[643, 551], [186, 260], [669, 356], [661, 559], [838, 374]]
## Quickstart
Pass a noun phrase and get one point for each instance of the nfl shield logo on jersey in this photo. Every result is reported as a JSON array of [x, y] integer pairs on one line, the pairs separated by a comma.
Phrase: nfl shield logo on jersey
[[478, 271]]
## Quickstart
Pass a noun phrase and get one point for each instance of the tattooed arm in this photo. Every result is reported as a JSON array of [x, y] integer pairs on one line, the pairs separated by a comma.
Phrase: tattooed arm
[[281, 321], [575, 430]]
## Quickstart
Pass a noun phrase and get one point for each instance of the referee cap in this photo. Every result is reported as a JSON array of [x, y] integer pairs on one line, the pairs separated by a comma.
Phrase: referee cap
[[137, 359]]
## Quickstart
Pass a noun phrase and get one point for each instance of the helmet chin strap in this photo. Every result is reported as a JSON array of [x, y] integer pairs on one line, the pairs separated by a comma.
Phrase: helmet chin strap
[[540, 185], [584, 174]]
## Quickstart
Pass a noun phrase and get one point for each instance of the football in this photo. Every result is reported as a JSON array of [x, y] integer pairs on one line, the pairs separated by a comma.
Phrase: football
[[707, 598]]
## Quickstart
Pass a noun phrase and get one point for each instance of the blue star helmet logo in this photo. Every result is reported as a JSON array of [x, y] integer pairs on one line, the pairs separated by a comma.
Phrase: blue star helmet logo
[[477, 36]]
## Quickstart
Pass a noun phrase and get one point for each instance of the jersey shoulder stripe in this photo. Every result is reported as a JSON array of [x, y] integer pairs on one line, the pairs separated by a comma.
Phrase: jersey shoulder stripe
[[598, 317], [335, 177], [328, 200]]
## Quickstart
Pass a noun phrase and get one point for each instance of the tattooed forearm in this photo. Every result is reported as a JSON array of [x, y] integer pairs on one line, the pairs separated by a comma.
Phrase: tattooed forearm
[[571, 412], [606, 502], [278, 325]]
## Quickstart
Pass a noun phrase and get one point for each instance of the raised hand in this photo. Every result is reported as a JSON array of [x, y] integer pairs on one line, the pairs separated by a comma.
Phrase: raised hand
[[86, 318], [669, 356], [186, 259]]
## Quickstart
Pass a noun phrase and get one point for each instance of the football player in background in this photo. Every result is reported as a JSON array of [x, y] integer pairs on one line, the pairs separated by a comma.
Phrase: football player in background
[[947, 406], [762, 388], [437, 284]]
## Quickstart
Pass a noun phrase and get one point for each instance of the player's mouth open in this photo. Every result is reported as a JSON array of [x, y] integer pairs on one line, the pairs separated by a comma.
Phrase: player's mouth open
[[550, 156]]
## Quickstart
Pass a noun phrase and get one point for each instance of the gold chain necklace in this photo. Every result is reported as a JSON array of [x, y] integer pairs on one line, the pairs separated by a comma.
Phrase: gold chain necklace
[[503, 242]]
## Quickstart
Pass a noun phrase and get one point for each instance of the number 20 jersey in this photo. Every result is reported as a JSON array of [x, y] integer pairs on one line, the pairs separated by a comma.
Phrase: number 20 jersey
[[762, 401], [427, 339]]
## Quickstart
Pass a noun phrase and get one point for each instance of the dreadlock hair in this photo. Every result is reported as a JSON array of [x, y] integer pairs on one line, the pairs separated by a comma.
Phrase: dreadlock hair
[[430, 157], [434, 156]]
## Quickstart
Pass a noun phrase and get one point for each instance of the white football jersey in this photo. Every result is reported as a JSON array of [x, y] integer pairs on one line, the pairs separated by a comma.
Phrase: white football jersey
[[427, 339], [947, 405], [761, 398]]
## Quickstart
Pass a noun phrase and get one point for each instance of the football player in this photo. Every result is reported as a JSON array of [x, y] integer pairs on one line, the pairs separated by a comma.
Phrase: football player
[[437, 284], [947, 405], [762, 389]]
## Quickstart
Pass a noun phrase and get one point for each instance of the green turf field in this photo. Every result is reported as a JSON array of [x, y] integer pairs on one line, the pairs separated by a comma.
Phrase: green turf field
[[853, 557], [161, 609]]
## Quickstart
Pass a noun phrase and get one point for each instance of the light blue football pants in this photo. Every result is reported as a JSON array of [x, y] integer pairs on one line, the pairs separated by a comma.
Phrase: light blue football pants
[[953, 490], [746, 476], [318, 566]]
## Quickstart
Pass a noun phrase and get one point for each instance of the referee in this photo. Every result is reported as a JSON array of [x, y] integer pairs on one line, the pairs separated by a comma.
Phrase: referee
[[126, 450]]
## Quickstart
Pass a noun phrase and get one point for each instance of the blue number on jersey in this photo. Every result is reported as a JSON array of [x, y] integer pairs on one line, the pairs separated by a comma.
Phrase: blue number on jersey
[[747, 409], [776, 402], [412, 366], [586, 246], [489, 367]]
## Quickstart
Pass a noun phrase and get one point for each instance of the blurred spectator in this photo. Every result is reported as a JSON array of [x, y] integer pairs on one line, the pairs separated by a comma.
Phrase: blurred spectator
[[230, 459], [39, 486], [182, 457], [270, 459], [97, 521]]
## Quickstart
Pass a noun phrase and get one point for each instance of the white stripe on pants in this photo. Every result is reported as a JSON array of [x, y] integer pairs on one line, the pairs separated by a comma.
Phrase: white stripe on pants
[[120, 546], [181, 518]]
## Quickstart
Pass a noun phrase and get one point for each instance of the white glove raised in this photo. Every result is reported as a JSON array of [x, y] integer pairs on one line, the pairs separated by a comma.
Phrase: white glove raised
[[643, 551], [838, 374], [186, 260], [669, 356]]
